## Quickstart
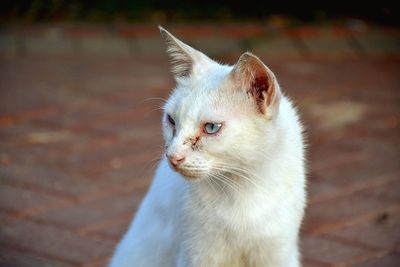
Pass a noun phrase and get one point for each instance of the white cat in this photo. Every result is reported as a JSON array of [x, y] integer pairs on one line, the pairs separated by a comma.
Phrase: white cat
[[230, 190]]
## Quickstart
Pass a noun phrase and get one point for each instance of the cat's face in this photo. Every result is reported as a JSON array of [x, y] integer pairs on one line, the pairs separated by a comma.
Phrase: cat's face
[[216, 119]]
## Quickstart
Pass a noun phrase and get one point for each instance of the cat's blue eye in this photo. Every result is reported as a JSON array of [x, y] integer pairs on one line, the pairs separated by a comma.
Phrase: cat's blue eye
[[171, 120], [212, 127]]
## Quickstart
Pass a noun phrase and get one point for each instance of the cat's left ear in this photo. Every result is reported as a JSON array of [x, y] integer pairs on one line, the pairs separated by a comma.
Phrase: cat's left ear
[[259, 82], [185, 59]]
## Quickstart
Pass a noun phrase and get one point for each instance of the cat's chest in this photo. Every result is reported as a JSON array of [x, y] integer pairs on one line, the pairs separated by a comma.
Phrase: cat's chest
[[230, 215], [244, 219]]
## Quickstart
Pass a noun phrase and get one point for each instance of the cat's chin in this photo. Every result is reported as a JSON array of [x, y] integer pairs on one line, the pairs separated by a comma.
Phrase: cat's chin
[[190, 176], [188, 172]]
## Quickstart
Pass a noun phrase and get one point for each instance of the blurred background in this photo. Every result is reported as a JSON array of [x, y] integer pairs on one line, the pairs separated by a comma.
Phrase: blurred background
[[81, 84], [113, 11]]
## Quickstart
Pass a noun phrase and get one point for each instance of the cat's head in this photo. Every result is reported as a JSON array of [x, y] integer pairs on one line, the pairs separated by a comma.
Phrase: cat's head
[[219, 118]]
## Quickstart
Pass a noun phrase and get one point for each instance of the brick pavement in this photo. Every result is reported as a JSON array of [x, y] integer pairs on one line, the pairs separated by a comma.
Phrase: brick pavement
[[80, 135]]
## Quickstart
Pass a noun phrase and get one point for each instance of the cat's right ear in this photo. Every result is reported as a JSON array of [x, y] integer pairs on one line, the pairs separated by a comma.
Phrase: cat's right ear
[[184, 58], [259, 82]]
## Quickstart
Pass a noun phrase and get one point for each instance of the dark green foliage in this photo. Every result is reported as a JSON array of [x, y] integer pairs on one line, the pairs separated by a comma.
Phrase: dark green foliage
[[176, 10]]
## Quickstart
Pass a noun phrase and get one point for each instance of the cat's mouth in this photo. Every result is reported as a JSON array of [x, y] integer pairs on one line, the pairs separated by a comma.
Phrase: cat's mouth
[[189, 172], [191, 169]]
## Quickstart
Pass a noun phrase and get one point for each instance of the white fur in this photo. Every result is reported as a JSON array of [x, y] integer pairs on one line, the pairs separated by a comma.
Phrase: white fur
[[248, 215]]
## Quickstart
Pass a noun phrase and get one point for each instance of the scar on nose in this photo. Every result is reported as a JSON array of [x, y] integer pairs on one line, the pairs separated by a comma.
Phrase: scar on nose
[[193, 141]]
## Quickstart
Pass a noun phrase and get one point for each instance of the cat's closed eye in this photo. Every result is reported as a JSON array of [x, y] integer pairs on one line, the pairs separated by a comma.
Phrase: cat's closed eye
[[170, 120]]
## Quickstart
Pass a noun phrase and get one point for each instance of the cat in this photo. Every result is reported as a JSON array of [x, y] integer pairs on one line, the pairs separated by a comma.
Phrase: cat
[[230, 189]]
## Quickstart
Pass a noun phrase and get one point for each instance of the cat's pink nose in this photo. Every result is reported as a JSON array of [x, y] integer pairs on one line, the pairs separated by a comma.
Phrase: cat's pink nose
[[175, 160]]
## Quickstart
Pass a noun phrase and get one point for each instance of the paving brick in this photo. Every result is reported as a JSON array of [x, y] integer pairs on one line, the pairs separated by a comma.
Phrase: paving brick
[[93, 151], [113, 234], [312, 263], [248, 30], [331, 253], [328, 187], [377, 42], [353, 170], [97, 263], [274, 46], [22, 258], [103, 45], [55, 45], [383, 232], [75, 80], [190, 32], [141, 157], [50, 242], [330, 44], [78, 31], [388, 191], [149, 46], [125, 116], [92, 212], [304, 32], [111, 230], [217, 46], [328, 215], [137, 30], [391, 260], [14, 199], [107, 159], [45, 179]]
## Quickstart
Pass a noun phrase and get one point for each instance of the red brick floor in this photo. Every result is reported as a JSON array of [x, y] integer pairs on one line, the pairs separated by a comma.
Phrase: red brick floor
[[80, 136]]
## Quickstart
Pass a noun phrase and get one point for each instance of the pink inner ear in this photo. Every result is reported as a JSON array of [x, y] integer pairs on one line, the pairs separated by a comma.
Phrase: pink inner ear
[[257, 79], [259, 88]]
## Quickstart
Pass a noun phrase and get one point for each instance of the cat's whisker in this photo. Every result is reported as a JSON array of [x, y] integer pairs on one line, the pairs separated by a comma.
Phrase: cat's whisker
[[159, 146], [242, 173], [225, 180], [157, 108], [154, 98], [154, 162], [234, 186], [219, 186], [241, 170], [209, 182]]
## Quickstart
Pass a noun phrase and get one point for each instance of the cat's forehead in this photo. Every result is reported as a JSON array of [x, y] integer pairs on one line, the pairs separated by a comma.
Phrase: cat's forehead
[[202, 93], [197, 104], [208, 79]]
